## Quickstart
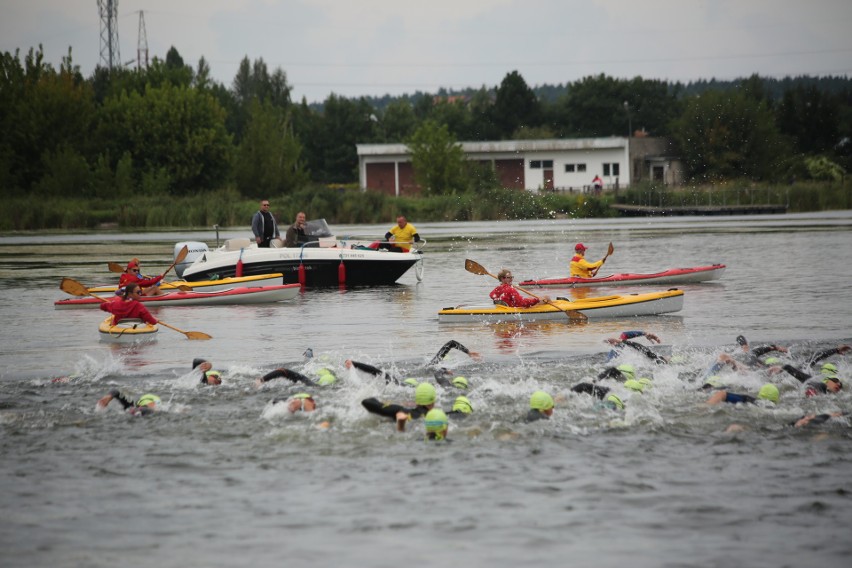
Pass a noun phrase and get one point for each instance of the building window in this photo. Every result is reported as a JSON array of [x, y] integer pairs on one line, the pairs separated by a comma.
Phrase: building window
[[611, 169], [538, 164], [581, 167], [569, 168]]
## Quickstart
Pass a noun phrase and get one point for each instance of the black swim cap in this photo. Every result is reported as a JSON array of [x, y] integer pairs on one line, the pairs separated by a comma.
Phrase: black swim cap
[[741, 340], [197, 362]]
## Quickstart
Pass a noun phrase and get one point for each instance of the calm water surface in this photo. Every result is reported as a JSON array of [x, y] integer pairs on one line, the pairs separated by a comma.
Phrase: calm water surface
[[222, 478]]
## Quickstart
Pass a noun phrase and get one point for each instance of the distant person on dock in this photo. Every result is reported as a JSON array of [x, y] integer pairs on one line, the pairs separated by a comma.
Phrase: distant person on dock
[[580, 267], [597, 185], [402, 235], [296, 236], [263, 226], [509, 295], [128, 306], [150, 285]]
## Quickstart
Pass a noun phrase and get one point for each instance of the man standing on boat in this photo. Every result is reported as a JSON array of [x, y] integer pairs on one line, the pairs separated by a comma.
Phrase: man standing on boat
[[296, 233], [581, 267], [402, 234], [263, 225]]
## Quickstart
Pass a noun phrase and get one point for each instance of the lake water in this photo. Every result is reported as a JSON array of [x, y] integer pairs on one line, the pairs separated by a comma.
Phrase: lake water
[[223, 478]]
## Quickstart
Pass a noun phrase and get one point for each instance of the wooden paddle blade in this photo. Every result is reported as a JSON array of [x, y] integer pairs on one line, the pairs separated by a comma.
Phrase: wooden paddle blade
[[73, 287], [188, 334], [476, 268], [115, 267], [185, 251], [574, 315], [197, 335], [184, 288]]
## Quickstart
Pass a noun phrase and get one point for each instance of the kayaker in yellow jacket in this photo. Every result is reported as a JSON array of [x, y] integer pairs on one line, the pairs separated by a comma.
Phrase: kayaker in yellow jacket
[[581, 267]]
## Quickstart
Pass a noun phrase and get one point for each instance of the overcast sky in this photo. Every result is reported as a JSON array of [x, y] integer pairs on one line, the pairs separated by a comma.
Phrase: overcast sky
[[374, 47]]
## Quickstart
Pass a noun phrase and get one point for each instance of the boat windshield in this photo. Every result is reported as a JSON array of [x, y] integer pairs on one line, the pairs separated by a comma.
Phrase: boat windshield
[[317, 228]]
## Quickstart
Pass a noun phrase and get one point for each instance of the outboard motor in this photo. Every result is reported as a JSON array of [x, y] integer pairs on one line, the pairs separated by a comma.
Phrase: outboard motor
[[195, 251]]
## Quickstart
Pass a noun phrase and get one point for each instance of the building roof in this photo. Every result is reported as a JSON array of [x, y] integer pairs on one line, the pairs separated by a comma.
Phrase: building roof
[[507, 146]]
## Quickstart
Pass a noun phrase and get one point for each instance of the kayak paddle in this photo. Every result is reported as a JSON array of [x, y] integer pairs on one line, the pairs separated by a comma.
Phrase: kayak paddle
[[609, 251]]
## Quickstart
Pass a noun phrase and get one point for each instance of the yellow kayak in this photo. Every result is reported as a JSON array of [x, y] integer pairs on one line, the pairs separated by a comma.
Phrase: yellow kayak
[[127, 331], [627, 305]]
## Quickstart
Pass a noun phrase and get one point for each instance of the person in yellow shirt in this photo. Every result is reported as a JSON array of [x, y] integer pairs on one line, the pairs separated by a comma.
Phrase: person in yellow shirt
[[581, 267], [402, 235]]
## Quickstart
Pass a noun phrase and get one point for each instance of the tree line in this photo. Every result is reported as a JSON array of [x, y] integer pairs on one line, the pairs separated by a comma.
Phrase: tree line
[[170, 129]]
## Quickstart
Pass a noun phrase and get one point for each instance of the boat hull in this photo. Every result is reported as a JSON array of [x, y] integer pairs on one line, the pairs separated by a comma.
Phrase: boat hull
[[628, 305], [233, 296], [210, 285], [321, 266], [127, 331], [667, 277]]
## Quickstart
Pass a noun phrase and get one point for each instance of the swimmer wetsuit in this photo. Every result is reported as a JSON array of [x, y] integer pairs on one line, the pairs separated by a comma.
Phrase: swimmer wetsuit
[[389, 410], [288, 374]]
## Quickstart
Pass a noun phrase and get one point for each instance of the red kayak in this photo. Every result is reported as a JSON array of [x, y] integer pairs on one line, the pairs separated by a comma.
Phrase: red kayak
[[671, 276], [253, 295]]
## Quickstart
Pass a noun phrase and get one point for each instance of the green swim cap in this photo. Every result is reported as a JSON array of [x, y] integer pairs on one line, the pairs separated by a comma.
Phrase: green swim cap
[[635, 385], [424, 394], [628, 370], [462, 404], [772, 361], [460, 383], [540, 400], [147, 399], [436, 423], [829, 371], [326, 378], [410, 382], [714, 381], [615, 401], [303, 395], [768, 392]]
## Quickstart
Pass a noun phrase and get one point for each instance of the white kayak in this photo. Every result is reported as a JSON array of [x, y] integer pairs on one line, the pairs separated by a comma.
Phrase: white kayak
[[233, 296]]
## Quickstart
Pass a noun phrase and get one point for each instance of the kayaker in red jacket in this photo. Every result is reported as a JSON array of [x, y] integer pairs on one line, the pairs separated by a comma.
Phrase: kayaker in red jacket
[[150, 286], [128, 306], [509, 295]]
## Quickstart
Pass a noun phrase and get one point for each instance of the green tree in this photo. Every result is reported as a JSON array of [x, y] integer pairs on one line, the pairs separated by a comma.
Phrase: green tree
[[43, 113], [437, 159], [268, 157], [330, 145], [515, 106], [731, 135], [811, 118], [398, 122], [172, 133]]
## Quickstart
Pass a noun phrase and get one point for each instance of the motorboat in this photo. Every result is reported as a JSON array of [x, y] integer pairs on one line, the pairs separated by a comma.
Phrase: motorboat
[[322, 260]]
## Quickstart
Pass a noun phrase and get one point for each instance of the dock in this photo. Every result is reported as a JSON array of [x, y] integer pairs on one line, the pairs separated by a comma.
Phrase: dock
[[698, 210]]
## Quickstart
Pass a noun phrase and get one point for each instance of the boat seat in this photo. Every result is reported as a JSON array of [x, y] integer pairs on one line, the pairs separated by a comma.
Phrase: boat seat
[[237, 244], [276, 243]]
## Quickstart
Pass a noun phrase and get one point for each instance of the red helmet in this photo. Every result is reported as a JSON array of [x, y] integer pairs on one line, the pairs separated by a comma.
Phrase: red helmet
[[580, 246]]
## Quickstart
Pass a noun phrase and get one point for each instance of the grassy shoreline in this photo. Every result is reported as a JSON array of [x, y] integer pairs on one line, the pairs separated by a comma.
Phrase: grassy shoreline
[[351, 206]]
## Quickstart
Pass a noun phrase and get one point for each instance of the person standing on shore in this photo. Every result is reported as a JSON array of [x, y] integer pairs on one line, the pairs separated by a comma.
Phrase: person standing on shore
[[263, 225]]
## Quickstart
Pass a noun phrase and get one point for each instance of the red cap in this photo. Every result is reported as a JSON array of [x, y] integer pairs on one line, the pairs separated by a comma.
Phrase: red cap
[[580, 246], [133, 264]]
